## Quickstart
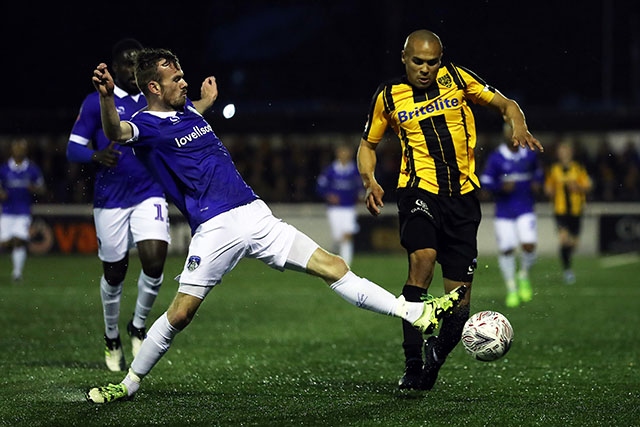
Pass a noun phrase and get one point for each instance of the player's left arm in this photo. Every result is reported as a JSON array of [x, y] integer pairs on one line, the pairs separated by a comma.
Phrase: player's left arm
[[208, 95], [37, 185], [513, 115]]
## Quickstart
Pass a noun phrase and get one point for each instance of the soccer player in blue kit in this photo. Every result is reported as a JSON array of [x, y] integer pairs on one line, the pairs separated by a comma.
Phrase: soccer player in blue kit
[[514, 175], [129, 208], [340, 186], [20, 179], [228, 220]]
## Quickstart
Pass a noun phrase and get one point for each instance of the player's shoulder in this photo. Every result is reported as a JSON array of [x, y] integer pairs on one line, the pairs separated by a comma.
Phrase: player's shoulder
[[91, 100], [461, 74], [390, 83]]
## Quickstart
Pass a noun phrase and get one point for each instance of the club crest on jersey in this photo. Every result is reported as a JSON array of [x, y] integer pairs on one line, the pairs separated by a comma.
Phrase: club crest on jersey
[[193, 262], [445, 80]]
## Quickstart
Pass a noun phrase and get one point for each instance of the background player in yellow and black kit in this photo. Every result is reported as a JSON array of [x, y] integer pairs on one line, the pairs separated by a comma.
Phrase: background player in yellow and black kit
[[567, 184], [438, 208]]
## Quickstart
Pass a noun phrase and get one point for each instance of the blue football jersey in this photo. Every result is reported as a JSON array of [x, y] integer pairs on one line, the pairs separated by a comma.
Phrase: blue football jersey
[[15, 180], [523, 168], [190, 162], [128, 183], [341, 180]]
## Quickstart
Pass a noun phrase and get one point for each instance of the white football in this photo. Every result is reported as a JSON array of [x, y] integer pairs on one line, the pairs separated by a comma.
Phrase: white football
[[487, 335]]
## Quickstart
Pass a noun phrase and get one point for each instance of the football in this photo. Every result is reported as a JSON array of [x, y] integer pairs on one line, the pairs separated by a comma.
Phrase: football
[[487, 335]]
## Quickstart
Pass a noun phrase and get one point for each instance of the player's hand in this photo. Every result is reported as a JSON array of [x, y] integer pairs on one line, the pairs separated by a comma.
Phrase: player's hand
[[102, 80], [333, 199], [526, 140], [107, 157], [373, 199], [508, 186], [209, 89]]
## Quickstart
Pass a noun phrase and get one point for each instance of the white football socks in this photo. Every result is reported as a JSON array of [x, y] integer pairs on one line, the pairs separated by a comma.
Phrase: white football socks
[[507, 265], [18, 258], [148, 288], [156, 344], [365, 294], [346, 251], [110, 296]]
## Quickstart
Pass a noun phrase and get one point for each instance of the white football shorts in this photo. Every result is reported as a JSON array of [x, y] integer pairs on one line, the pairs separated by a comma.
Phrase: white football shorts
[[119, 229], [342, 220], [14, 226], [511, 233], [246, 231]]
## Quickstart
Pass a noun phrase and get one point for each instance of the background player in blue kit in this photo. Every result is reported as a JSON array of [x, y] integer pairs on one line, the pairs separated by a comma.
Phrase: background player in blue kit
[[228, 220], [130, 209], [514, 176], [20, 180], [340, 186]]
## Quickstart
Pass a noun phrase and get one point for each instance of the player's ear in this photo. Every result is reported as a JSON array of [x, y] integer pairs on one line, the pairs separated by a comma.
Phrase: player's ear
[[154, 87], [402, 57]]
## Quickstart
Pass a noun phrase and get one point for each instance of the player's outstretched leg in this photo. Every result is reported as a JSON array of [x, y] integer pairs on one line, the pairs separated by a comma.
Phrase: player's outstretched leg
[[436, 308], [125, 390]]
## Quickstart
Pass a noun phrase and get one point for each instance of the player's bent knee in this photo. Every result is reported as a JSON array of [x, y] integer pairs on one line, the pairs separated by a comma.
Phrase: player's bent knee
[[326, 265]]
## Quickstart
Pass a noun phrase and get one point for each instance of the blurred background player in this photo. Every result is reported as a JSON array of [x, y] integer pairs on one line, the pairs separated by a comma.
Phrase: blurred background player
[[514, 176], [130, 209], [20, 180], [340, 186], [567, 184]]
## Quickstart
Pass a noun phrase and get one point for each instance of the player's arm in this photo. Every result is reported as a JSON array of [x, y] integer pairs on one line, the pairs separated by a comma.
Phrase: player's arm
[[513, 115], [366, 160], [208, 95], [112, 127], [37, 186], [549, 186], [82, 154]]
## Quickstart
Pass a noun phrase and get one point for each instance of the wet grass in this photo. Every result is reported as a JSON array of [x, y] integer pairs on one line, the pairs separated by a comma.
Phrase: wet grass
[[280, 349]]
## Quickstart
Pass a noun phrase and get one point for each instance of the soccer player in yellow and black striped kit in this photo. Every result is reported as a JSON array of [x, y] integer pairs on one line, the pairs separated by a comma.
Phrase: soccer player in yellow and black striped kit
[[567, 184], [439, 212]]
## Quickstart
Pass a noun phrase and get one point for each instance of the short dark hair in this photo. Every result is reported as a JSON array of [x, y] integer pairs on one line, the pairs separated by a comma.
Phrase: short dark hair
[[147, 65], [123, 46]]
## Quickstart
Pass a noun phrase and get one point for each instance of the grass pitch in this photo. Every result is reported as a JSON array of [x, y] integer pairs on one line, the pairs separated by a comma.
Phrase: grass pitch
[[280, 349]]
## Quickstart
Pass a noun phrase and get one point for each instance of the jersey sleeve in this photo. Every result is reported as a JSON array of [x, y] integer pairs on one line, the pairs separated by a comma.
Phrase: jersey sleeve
[[377, 119], [475, 88], [84, 130]]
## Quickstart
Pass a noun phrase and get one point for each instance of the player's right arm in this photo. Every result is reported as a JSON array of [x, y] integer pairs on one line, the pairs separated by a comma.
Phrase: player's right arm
[[366, 159], [112, 127]]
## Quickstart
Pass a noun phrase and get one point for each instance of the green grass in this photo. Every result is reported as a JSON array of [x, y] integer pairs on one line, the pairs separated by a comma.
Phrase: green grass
[[280, 349]]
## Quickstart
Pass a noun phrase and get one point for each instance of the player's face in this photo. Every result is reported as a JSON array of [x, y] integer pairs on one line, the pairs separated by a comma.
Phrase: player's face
[[174, 87], [123, 69], [19, 150], [422, 60]]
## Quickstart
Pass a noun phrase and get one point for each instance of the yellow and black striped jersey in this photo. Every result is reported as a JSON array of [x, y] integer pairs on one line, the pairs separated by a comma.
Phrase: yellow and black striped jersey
[[567, 201], [436, 129]]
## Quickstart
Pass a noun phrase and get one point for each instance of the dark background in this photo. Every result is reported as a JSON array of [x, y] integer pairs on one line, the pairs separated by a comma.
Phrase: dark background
[[314, 65]]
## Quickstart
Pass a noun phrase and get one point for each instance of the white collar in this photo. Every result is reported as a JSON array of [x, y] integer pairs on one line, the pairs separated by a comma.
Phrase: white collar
[[18, 167], [121, 93]]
